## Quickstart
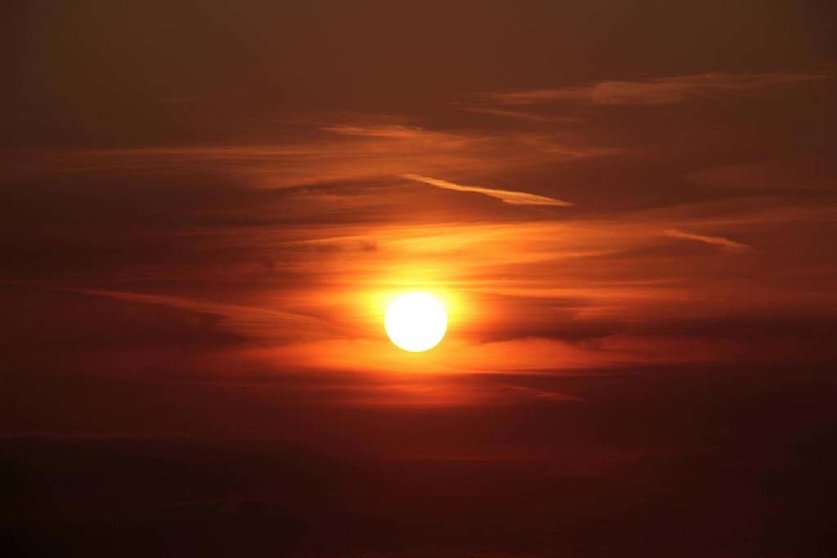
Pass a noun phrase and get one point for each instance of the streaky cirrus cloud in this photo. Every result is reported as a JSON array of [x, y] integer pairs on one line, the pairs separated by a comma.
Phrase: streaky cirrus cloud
[[522, 115], [720, 241], [254, 321], [341, 152], [657, 91], [507, 196], [391, 131]]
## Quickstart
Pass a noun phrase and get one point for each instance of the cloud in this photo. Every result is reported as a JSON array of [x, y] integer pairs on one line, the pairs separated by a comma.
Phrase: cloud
[[720, 241], [508, 196], [657, 91], [312, 222], [522, 116], [393, 131], [362, 150], [256, 322], [810, 174]]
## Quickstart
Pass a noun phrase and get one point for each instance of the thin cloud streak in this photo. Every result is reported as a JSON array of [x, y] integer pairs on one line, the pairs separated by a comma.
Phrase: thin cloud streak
[[524, 116], [507, 196], [719, 241], [658, 91], [256, 322], [339, 153]]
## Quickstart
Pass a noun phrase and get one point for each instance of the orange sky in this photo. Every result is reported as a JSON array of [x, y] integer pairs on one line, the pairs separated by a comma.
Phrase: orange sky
[[628, 207], [242, 200]]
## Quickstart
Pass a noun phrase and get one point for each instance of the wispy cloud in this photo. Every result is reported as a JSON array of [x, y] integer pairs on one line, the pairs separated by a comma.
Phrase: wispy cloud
[[391, 131], [339, 152], [810, 173], [522, 115], [719, 241], [508, 196], [657, 91], [256, 322]]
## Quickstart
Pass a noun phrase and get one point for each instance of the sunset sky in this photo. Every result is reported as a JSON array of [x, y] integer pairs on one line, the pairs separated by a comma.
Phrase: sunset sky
[[628, 208]]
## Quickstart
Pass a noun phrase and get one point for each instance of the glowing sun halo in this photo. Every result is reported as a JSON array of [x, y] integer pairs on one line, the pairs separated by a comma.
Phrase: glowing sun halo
[[416, 322]]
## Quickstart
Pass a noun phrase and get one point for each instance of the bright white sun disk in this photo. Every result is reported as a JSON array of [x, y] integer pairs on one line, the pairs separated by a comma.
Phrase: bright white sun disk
[[416, 322]]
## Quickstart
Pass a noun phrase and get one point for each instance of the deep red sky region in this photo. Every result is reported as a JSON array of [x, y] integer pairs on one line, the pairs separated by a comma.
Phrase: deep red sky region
[[628, 209]]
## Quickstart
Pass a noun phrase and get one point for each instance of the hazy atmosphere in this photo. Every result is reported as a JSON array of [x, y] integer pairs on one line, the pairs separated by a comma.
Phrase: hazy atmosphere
[[627, 211]]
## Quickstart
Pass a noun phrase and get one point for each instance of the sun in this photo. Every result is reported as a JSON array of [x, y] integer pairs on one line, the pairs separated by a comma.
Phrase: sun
[[416, 321]]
